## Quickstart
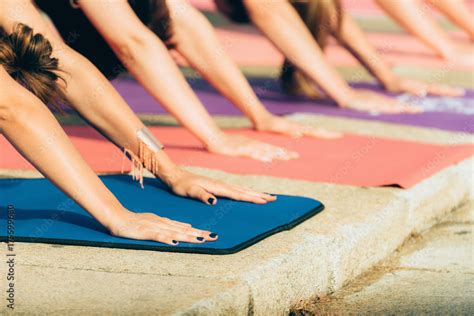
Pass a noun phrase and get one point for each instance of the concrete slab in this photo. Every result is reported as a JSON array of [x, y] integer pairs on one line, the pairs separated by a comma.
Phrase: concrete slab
[[400, 293], [44, 290], [431, 274]]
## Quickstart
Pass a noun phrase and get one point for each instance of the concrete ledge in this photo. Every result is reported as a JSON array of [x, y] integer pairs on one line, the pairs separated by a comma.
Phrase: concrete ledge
[[359, 227]]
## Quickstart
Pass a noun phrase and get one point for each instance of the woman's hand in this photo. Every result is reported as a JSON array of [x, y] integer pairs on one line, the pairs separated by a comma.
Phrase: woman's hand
[[237, 145], [205, 189], [148, 226], [280, 125], [421, 89], [369, 101]]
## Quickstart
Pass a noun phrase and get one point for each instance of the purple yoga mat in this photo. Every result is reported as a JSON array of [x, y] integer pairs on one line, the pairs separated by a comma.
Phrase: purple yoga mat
[[453, 114]]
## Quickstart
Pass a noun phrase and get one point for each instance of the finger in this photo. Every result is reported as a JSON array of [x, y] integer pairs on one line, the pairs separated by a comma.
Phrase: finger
[[168, 231], [192, 238], [264, 157], [175, 223], [195, 232], [162, 236], [283, 154], [322, 133], [265, 196], [412, 109], [225, 191], [199, 193], [443, 90]]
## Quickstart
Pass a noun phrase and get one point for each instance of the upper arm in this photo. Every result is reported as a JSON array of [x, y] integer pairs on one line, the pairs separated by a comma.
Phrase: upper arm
[[114, 20]]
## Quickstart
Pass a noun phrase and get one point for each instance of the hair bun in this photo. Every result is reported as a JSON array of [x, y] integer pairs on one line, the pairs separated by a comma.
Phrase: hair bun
[[27, 59]]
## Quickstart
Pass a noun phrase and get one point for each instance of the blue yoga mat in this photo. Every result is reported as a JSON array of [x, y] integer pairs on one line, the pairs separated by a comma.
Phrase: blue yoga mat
[[42, 213]]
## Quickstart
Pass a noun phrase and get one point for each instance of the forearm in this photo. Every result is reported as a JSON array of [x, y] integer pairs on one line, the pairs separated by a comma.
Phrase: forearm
[[458, 12], [148, 60], [353, 38], [282, 25], [92, 95], [414, 18], [196, 40], [35, 133]]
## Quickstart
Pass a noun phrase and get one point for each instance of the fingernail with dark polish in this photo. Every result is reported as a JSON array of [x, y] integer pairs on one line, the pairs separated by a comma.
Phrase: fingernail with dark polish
[[200, 238], [213, 235], [211, 201], [174, 242]]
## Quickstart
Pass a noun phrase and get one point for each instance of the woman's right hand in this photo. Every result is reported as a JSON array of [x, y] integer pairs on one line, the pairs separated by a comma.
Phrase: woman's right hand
[[148, 226], [369, 101]]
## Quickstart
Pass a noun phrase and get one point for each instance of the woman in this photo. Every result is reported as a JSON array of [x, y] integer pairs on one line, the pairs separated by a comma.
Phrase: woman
[[413, 16], [141, 46], [286, 24], [30, 78]]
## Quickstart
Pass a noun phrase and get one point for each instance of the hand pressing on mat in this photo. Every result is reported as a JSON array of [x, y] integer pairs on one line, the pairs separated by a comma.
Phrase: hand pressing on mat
[[238, 145], [369, 101], [187, 184], [422, 89], [280, 125], [148, 226]]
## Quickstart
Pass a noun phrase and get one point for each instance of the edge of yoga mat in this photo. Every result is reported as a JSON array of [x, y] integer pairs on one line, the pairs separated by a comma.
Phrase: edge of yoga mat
[[177, 249]]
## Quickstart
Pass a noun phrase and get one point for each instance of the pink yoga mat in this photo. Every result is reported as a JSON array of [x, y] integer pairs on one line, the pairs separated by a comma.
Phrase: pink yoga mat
[[366, 8], [249, 48], [352, 159]]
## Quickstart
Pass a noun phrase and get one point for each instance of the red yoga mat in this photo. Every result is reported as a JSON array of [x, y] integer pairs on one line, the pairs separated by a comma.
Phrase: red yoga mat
[[352, 159]]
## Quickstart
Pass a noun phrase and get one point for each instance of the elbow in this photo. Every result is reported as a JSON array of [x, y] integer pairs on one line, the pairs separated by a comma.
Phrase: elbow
[[11, 104], [129, 47]]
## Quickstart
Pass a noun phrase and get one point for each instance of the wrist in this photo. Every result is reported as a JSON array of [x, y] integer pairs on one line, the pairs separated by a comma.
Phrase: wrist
[[215, 139], [113, 219], [260, 121], [344, 98], [165, 169], [391, 82]]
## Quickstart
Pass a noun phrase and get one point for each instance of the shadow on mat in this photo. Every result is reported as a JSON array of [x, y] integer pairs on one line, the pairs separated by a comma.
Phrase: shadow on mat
[[49, 216]]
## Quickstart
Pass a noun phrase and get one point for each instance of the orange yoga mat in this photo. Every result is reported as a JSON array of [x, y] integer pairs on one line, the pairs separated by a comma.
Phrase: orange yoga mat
[[352, 159]]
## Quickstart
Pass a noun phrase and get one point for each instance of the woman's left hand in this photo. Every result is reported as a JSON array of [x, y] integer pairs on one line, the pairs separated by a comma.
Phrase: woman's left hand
[[280, 125], [422, 89]]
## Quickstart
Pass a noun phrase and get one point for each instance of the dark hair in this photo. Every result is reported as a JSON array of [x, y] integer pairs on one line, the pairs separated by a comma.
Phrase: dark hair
[[27, 59], [160, 22], [323, 18]]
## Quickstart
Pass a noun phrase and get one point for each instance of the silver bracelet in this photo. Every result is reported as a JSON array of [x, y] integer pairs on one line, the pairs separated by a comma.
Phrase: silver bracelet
[[144, 135]]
